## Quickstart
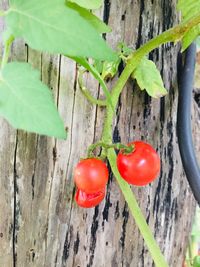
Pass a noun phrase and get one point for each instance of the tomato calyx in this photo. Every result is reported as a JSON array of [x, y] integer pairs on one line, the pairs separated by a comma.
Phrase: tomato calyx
[[128, 149], [118, 146]]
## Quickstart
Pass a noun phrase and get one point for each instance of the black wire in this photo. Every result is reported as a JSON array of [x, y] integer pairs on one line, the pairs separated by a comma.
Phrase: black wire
[[184, 129]]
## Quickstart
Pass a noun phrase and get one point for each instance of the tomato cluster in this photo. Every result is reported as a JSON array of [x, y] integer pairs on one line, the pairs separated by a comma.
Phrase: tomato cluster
[[140, 167], [91, 177]]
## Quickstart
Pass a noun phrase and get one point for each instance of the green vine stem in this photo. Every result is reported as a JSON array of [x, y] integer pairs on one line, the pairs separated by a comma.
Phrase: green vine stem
[[6, 52], [172, 35], [86, 92], [137, 214]]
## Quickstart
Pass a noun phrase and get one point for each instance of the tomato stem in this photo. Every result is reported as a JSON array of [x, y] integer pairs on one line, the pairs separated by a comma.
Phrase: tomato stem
[[87, 93], [137, 214], [6, 52], [118, 146]]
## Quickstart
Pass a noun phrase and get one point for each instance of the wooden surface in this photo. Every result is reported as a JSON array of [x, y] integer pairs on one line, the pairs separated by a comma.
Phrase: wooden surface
[[40, 225]]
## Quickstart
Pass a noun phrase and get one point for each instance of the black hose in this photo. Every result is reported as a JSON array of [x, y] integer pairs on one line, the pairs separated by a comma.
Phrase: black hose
[[184, 129]]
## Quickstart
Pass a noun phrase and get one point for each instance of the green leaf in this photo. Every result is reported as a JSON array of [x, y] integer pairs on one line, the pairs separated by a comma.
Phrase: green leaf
[[110, 68], [188, 8], [190, 36], [50, 25], [98, 65], [83, 62], [99, 25], [89, 4], [124, 49], [196, 261], [27, 103], [148, 77]]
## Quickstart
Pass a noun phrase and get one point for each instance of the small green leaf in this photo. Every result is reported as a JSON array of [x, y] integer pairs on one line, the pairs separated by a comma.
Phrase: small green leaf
[[27, 103], [110, 68], [148, 78], [99, 25], [124, 49], [51, 26], [190, 36], [89, 4]]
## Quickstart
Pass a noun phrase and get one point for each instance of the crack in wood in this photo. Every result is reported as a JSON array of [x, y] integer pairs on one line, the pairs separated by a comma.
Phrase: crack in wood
[[15, 203], [66, 248], [76, 243], [65, 252], [139, 35], [197, 97], [106, 11], [108, 204], [125, 215], [55, 146], [72, 121], [94, 228]]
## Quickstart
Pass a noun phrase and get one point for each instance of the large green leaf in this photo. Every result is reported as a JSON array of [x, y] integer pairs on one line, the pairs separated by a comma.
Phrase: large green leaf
[[189, 9], [27, 103], [148, 78], [50, 25], [99, 25], [89, 4]]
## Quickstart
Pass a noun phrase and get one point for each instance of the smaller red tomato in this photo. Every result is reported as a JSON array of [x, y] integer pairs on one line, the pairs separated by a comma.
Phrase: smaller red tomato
[[90, 175], [85, 200], [141, 166]]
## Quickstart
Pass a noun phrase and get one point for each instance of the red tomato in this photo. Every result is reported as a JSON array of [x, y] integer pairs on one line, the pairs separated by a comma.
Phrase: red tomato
[[91, 175], [141, 166], [89, 200]]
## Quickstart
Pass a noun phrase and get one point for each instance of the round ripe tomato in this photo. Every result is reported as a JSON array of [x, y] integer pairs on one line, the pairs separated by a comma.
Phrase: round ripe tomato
[[141, 166], [85, 200], [90, 175]]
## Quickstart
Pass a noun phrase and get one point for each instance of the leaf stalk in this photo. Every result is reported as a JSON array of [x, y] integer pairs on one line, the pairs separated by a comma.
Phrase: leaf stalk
[[6, 52]]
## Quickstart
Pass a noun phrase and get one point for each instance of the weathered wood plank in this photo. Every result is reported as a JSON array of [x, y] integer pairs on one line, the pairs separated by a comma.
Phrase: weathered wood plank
[[48, 229]]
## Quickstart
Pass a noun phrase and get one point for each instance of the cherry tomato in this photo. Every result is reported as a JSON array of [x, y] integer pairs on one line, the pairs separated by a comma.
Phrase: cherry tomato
[[91, 175], [141, 166], [89, 200]]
